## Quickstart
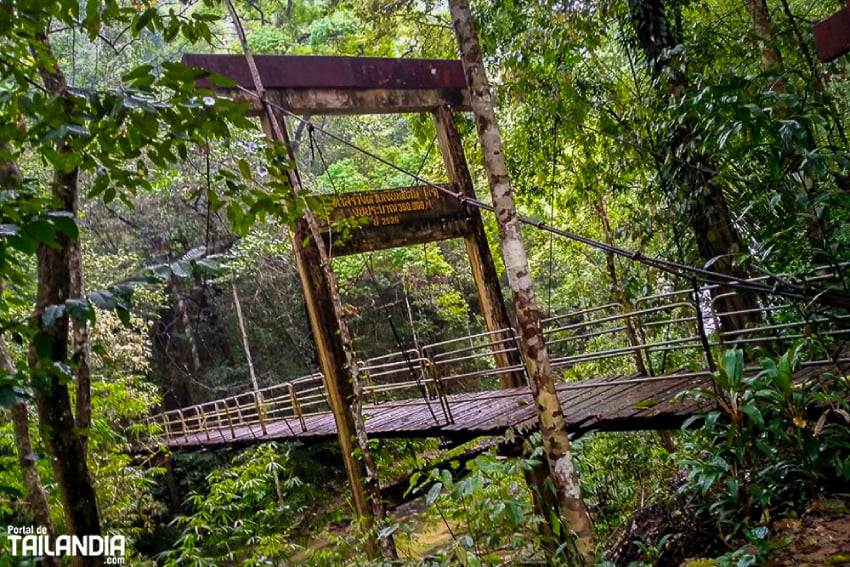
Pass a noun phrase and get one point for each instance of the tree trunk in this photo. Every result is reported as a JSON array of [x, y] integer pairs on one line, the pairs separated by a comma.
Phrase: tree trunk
[[10, 177], [552, 424], [56, 419], [186, 323], [251, 373], [617, 294], [690, 179], [760, 18], [258, 396], [36, 498], [81, 351]]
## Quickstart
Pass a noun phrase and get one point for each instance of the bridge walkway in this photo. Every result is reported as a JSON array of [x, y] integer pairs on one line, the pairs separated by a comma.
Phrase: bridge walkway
[[451, 389]]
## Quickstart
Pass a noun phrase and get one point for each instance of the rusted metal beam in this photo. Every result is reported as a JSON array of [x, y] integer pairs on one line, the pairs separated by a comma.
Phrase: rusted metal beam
[[342, 85], [325, 72], [832, 36]]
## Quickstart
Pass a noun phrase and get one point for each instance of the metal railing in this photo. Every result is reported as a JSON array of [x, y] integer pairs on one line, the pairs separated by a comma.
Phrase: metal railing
[[678, 331]]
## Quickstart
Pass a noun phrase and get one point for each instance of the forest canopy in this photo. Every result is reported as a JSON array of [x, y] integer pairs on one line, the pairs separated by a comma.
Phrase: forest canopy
[[146, 266]]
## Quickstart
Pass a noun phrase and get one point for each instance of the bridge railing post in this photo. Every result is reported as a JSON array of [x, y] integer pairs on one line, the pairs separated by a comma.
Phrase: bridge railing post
[[166, 429], [429, 372], [229, 420], [183, 426], [259, 404], [202, 422], [240, 419], [296, 405]]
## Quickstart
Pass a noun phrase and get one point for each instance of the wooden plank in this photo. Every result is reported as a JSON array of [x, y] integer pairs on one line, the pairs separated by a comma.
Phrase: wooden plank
[[342, 102], [577, 403], [381, 419], [668, 406], [420, 419], [341, 85], [605, 406], [621, 413], [388, 218]]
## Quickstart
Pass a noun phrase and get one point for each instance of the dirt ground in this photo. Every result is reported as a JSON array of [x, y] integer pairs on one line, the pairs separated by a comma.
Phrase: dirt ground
[[820, 537]]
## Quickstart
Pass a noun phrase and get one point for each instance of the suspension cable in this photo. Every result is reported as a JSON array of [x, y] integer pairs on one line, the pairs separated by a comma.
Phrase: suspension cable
[[780, 288]]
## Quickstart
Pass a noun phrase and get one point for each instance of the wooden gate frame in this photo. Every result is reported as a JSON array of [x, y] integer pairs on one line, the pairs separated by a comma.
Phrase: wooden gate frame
[[317, 85]]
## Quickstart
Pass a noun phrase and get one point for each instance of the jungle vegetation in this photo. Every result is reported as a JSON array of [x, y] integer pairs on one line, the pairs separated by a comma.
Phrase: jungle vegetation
[[135, 208]]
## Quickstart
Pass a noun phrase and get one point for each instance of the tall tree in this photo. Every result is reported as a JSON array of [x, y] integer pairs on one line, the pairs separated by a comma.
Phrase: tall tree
[[549, 412], [56, 273], [760, 18], [109, 135], [688, 175]]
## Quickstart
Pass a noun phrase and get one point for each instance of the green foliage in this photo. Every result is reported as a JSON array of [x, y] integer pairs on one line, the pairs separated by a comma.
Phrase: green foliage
[[491, 502], [619, 473], [248, 514], [770, 445], [124, 492], [270, 39]]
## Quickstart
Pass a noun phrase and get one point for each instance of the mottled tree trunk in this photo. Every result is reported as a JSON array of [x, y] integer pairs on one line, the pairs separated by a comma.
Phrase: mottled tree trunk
[[552, 424], [244, 334], [10, 176], [81, 349], [36, 498], [760, 18], [55, 267]]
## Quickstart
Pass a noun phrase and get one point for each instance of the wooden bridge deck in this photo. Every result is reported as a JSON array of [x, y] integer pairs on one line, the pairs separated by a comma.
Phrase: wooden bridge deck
[[297, 410], [621, 403]]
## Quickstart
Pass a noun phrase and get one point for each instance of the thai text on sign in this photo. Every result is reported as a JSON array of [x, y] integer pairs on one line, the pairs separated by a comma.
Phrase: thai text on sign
[[387, 206]]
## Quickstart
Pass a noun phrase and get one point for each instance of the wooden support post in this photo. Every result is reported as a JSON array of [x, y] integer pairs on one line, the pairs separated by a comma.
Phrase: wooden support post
[[331, 357], [331, 354], [490, 297]]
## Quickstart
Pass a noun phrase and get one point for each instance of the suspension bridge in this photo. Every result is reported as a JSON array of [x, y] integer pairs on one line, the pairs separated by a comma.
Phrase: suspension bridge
[[624, 369], [624, 366]]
